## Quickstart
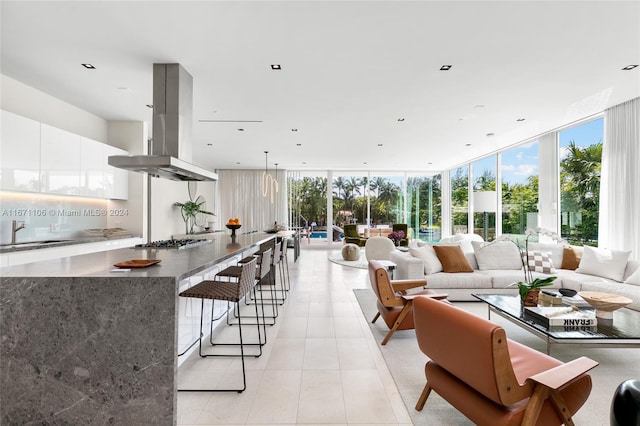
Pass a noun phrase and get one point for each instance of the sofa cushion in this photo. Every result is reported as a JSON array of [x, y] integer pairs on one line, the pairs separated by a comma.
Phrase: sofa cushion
[[429, 258], [556, 251], [497, 255], [504, 278], [464, 240], [452, 259], [604, 262], [540, 261], [470, 280]]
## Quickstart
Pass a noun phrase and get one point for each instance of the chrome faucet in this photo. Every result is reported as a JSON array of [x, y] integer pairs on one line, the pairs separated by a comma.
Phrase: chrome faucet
[[15, 227]]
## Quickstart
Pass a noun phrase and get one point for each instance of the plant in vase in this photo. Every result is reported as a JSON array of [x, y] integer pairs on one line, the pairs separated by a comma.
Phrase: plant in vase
[[396, 237], [189, 210], [529, 289]]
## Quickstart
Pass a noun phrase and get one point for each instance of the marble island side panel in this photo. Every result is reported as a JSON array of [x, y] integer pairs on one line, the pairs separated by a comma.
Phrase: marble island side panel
[[83, 345]]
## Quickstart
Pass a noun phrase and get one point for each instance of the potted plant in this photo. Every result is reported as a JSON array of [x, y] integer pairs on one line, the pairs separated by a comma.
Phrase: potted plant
[[529, 291], [396, 236], [189, 210]]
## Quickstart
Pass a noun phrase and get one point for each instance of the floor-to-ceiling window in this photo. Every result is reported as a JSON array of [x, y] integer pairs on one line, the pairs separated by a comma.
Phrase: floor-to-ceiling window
[[349, 198], [580, 162], [308, 202], [519, 173], [387, 199], [424, 205], [460, 200]]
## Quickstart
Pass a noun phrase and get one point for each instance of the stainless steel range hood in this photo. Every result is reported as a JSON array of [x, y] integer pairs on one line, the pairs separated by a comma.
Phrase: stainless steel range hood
[[170, 152]]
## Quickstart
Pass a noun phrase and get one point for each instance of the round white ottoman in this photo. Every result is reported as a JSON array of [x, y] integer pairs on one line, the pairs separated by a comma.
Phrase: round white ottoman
[[350, 252]]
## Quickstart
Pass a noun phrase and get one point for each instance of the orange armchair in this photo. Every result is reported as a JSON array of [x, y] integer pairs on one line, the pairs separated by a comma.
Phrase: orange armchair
[[491, 379], [395, 306]]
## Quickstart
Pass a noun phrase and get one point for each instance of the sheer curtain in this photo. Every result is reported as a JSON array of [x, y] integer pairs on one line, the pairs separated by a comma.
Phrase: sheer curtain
[[619, 226], [240, 194]]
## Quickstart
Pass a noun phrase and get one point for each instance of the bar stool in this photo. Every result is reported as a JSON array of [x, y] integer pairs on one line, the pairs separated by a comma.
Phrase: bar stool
[[231, 292], [276, 267], [262, 270]]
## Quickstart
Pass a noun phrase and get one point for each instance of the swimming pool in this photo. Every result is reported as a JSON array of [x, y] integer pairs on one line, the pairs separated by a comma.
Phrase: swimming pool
[[317, 234]]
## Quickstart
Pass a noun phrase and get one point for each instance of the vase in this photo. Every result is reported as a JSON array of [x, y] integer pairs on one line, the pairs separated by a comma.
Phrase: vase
[[532, 298]]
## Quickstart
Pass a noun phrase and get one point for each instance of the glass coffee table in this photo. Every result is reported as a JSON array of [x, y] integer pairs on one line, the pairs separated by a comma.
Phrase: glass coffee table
[[622, 331]]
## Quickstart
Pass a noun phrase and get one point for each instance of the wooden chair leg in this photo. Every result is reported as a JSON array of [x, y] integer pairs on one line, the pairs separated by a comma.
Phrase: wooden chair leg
[[540, 394], [423, 397], [375, 318], [405, 311], [561, 408]]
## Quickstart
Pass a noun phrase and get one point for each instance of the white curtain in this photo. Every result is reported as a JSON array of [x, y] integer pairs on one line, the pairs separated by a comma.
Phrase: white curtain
[[619, 226], [240, 194]]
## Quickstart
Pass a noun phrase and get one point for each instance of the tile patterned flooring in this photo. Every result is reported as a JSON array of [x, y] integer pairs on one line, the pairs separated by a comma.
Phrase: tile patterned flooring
[[321, 364]]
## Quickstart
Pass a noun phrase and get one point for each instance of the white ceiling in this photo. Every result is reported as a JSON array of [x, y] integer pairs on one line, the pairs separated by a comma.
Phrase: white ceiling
[[350, 70]]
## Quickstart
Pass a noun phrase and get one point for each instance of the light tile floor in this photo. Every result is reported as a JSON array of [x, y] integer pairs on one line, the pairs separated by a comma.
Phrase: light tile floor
[[321, 364]]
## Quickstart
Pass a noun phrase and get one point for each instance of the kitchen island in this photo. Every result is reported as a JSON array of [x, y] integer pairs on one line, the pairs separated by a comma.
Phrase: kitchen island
[[83, 344]]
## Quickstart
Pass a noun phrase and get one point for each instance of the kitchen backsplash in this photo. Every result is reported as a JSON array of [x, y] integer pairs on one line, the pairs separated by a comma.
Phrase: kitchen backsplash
[[48, 216]]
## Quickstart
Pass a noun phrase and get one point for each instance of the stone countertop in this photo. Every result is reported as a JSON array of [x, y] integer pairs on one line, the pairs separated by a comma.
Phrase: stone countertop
[[177, 263], [49, 243]]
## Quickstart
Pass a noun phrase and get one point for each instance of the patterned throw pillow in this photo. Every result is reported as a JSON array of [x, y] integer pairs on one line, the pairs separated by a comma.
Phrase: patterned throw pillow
[[540, 261]]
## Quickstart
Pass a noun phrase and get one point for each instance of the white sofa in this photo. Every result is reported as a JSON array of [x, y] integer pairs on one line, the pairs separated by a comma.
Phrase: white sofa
[[620, 277]]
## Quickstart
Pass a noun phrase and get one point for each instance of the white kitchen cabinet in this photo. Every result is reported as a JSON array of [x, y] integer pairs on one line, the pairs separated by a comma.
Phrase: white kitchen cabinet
[[59, 161], [116, 180], [93, 162], [20, 159]]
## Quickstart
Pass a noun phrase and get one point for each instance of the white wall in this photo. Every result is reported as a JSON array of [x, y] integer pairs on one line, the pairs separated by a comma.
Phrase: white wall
[[24, 100]]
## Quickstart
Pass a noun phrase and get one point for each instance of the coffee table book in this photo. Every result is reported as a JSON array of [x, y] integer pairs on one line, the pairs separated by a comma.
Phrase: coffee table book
[[561, 316]]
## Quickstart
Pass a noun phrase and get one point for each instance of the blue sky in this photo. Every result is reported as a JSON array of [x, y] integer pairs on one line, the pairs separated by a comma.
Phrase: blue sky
[[521, 162]]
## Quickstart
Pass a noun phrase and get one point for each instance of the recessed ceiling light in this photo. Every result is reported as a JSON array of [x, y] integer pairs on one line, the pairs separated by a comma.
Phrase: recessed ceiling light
[[89, 66], [379, 144], [276, 67], [400, 119], [629, 67], [149, 106], [237, 162], [490, 134], [479, 106], [294, 130], [520, 119], [364, 162], [298, 144], [241, 130], [304, 162], [209, 144], [445, 67], [429, 163], [467, 144]]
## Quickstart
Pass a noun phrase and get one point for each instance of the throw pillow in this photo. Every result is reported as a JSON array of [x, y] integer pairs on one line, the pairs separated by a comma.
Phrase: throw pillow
[[604, 263], [497, 255], [428, 257], [540, 261], [570, 259], [555, 251], [452, 259]]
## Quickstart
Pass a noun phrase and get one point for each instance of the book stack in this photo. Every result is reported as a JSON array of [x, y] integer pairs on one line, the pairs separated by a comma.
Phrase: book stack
[[561, 316]]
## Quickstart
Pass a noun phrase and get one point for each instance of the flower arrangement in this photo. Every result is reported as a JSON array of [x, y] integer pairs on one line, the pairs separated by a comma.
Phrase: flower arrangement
[[396, 236], [529, 283]]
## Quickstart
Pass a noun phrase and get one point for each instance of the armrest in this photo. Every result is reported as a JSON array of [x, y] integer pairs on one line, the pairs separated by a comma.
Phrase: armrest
[[401, 285], [559, 376], [436, 296]]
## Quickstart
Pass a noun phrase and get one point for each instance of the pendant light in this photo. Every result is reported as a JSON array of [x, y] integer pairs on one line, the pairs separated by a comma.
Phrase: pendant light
[[269, 184]]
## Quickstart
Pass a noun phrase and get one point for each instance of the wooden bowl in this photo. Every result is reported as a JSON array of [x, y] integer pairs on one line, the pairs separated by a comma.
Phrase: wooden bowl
[[233, 226], [604, 303]]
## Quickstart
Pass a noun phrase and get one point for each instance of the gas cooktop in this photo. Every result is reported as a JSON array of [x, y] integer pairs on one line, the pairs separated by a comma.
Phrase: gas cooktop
[[173, 244]]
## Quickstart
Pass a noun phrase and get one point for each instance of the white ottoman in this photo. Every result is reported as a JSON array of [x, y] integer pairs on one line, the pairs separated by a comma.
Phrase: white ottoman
[[350, 252]]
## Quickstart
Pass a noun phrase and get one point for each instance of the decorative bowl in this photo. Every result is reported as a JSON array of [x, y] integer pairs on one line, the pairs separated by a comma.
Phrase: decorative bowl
[[604, 303], [233, 226]]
